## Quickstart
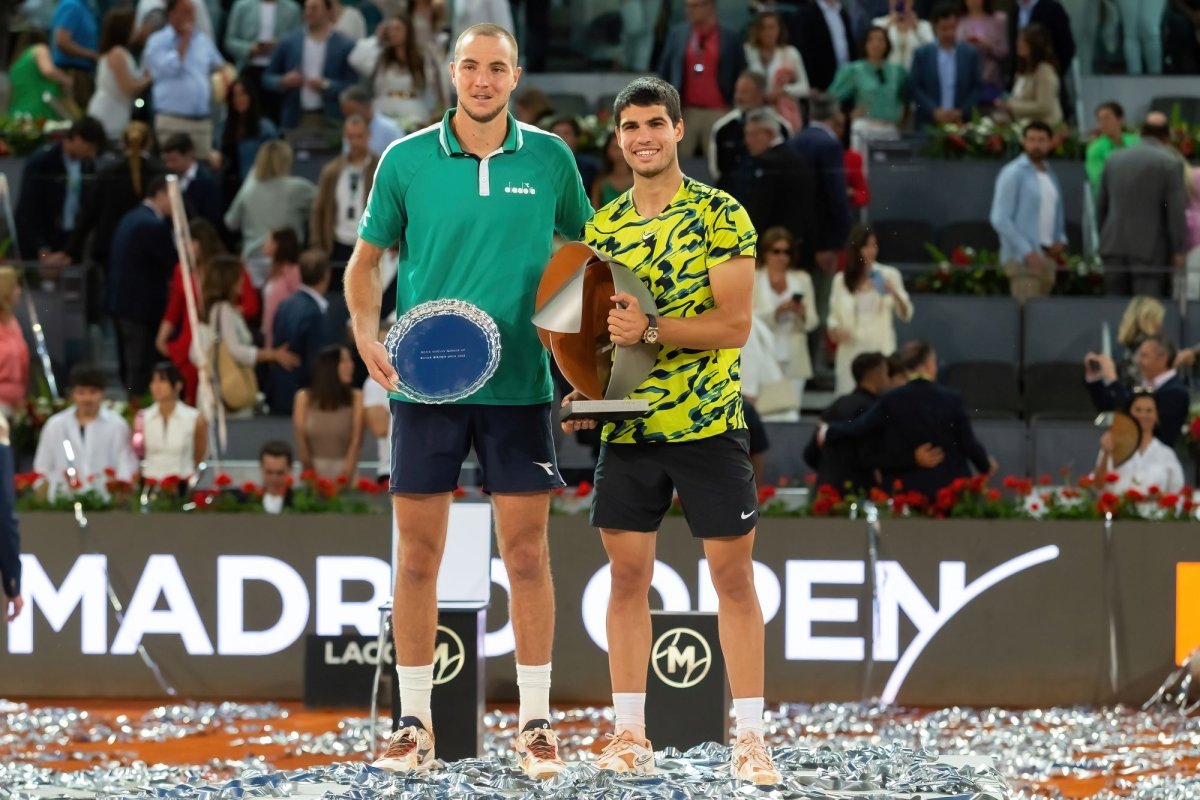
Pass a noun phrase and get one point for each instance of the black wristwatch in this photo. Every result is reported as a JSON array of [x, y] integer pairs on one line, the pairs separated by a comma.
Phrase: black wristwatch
[[650, 335]]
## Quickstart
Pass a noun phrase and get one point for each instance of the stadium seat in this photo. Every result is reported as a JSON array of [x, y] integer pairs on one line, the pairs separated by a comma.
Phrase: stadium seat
[[1060, 444], [941, 319], [785, 453], [903, 241], [1056, 390], [605, 103], [1007, 441], [977, 235], [989, 388]]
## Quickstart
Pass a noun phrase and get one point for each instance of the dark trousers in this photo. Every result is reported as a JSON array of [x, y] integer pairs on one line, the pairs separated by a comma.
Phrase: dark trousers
[[339, 256], [268, 101], [136, 354], [1130, 276]]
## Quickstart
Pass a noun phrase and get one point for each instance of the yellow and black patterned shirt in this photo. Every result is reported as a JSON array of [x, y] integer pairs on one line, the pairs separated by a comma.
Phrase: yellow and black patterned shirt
[[693, 394]]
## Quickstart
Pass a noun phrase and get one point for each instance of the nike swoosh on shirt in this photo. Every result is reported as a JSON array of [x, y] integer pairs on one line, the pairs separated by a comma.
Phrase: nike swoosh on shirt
[[750, 514]]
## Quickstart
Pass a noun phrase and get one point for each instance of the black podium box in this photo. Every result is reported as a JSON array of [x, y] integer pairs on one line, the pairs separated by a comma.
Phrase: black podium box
[[339, 670], [687, 695]]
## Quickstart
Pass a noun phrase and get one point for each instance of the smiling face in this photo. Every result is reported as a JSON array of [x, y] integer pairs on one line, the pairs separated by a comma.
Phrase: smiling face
[[649, 141], [1145, 411], [485, 74]]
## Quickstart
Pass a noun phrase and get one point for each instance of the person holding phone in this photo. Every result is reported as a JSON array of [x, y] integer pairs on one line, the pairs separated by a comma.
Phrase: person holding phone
[[784, 302], [863, 302]]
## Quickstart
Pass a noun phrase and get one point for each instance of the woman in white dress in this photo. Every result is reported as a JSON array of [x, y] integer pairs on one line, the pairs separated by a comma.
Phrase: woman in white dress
[[403, 76], [768, 53], [862, 304], [906, 32], [118, 79], [1152, 464], [784, 301], [174, 436]]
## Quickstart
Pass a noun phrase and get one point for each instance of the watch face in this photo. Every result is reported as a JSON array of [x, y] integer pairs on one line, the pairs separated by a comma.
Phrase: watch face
[[651, 335]]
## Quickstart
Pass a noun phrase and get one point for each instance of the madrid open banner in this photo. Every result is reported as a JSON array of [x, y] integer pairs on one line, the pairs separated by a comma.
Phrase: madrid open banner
[[958, 612]]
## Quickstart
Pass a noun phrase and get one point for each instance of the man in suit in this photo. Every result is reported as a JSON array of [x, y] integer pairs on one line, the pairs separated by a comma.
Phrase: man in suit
[[200, 187], [820, 146], [727, 144], [342, 192], [1154, 359], [918, 413], [142, 260], [946, 76], [702, 60], [310, 68], [300, 326], [1142, 213], [776, 185], [825, 41], [52, 192]]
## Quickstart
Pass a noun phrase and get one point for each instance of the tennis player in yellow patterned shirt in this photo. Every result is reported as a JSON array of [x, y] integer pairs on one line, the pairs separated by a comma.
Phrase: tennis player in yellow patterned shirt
[[693, 246]]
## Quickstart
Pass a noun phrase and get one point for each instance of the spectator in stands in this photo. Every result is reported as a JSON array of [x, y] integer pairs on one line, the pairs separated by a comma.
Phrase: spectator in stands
[[569, 130], [275, 467], [1110, 122], [174, 339], [99, 437], [1152, 468], [987, 30], [764, 387], [327, 418], [174, 435], [1143, 318], [283, 280], [32, 76], [777, 186], [245, 129], [857, 190], [905, 31], [862, 304], [768, 53], [947, 76], [919, 417], [785, 302], [1142, 213], [826, 40], [309, 68], [382, 131], [897, 374], [52, 191], [1192, 264], [1027, 215], [615, 177], [271, 198], [702, 59], [181, 60], [727, 145], [142, 257], [201, 191], [342, 193], [532, 107], [1036, 93], [377, 419], [119, 186], [300, 328], [74, 37], [10, 534], [253, 30], [14, 353], [119, 81], [1141, 24], [150, 16], [821, 146], [1053, 17], [878, 89], [403, 76], [428, 24], [1154, 360], [347, 20]]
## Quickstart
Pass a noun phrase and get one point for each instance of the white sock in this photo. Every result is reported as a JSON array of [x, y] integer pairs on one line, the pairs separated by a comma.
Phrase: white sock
[[416, 686], [749, 714], [630, 709], [533, 686]]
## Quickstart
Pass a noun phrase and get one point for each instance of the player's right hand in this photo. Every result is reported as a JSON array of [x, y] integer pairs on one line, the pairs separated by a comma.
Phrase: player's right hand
[[573, 425], [375, 356]]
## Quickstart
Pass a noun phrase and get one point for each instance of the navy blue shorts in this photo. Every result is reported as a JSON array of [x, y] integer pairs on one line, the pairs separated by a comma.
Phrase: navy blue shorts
[[514, 445]]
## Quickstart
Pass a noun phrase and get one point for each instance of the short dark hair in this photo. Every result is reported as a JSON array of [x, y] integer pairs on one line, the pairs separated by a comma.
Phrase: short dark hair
[[276, 448], [757, 78], [822, 109], [90, 130], [179, 143], [914, 353], [1112, 105], [157, 184], [570, 122], [314, 266], [87, 375], [1165, 345], [1037, 125], [943, 10], [168, 372], [895, 365], [649, 91], [287, 246], [864, 364], [866, 37]]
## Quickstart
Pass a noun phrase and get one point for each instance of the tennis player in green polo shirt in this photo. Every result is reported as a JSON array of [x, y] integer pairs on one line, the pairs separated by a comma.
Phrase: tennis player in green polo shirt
[[474, 202]]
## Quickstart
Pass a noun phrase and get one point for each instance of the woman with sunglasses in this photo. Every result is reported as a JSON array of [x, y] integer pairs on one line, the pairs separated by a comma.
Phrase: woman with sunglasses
[[784, 301]]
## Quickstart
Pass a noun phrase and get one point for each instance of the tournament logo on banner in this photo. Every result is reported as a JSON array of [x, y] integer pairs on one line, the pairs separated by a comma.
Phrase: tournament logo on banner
[[681, 658]]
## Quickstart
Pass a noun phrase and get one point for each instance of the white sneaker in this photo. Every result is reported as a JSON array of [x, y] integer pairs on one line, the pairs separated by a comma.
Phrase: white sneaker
[[627, 755], [537, 750], [751, 762], [410, 748]]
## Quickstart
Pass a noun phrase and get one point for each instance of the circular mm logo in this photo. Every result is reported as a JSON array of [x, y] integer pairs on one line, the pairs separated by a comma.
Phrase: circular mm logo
[[448, 656], [681, 658]]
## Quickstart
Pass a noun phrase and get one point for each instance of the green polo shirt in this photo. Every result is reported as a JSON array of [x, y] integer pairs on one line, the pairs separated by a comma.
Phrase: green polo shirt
[[480, 230], [1098, 152]]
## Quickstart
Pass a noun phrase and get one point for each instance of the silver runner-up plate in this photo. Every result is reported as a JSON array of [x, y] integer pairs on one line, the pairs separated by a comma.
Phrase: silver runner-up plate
[[443, 351]]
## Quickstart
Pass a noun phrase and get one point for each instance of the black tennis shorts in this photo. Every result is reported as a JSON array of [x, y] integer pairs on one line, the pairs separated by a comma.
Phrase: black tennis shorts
[[635, 484], [514, 445]]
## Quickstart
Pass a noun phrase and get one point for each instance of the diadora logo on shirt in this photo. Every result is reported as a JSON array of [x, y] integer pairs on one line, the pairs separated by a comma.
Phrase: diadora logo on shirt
[[523, 188]]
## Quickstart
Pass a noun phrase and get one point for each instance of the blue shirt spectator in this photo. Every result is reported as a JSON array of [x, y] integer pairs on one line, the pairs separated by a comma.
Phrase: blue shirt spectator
[[946, 74], [1027, 208], [77, 19], [182, 84], [74, 168]]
